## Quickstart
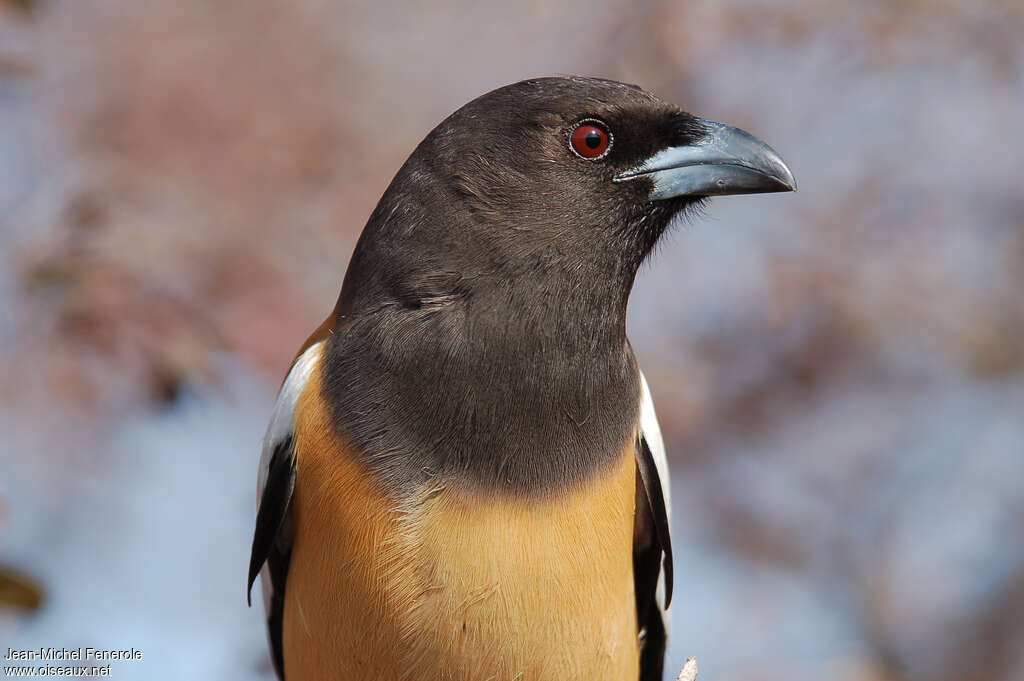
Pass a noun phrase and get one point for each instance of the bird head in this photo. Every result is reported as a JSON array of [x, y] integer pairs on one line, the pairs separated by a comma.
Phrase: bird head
[[551, 184], [564, 160]]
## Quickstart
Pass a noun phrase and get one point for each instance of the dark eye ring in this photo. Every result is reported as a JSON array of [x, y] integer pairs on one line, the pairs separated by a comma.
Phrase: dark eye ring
[[590, 139]]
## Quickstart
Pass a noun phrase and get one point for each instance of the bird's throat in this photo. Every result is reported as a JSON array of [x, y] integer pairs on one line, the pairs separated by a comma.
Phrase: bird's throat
[[486, 391]]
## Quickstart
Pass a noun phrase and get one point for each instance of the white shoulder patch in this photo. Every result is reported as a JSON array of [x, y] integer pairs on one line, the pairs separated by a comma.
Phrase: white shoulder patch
[[282, 421], [652, 433]]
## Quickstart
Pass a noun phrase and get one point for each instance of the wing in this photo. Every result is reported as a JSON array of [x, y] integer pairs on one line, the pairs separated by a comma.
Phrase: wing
[[652, 545], [272, 540]]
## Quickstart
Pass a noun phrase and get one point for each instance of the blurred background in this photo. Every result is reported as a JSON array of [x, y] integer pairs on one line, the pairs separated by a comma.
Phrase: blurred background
[[839, 372]]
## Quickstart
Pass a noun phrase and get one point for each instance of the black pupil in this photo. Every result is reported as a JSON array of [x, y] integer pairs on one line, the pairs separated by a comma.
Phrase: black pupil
[[593, 138]]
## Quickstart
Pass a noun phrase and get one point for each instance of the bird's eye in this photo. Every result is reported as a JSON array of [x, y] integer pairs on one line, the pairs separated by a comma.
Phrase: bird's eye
[[590, 139]]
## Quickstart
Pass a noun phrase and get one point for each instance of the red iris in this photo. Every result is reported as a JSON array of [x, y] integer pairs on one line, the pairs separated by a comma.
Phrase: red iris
[[590, 139]]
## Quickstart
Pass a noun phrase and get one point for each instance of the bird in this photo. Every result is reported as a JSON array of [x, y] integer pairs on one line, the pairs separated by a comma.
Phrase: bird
[[463, 477]]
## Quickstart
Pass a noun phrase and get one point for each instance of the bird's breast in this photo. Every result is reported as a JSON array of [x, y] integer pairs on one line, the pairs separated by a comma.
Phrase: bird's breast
[[450, 584]]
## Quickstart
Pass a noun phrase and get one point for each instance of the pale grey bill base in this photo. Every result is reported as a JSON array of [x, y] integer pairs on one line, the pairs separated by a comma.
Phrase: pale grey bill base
[[725, 161]]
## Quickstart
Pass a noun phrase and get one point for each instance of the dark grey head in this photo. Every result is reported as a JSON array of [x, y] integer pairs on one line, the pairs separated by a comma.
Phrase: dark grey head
[[572, 176], [485, 303]]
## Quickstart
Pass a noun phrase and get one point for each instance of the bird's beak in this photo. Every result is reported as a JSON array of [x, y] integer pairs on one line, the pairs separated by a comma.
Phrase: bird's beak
[[726, 160]]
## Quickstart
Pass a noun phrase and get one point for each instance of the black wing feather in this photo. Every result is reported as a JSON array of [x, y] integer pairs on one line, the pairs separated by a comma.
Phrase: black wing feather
[[652, 552], [278, 562], [656, 499], [270, 546]]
